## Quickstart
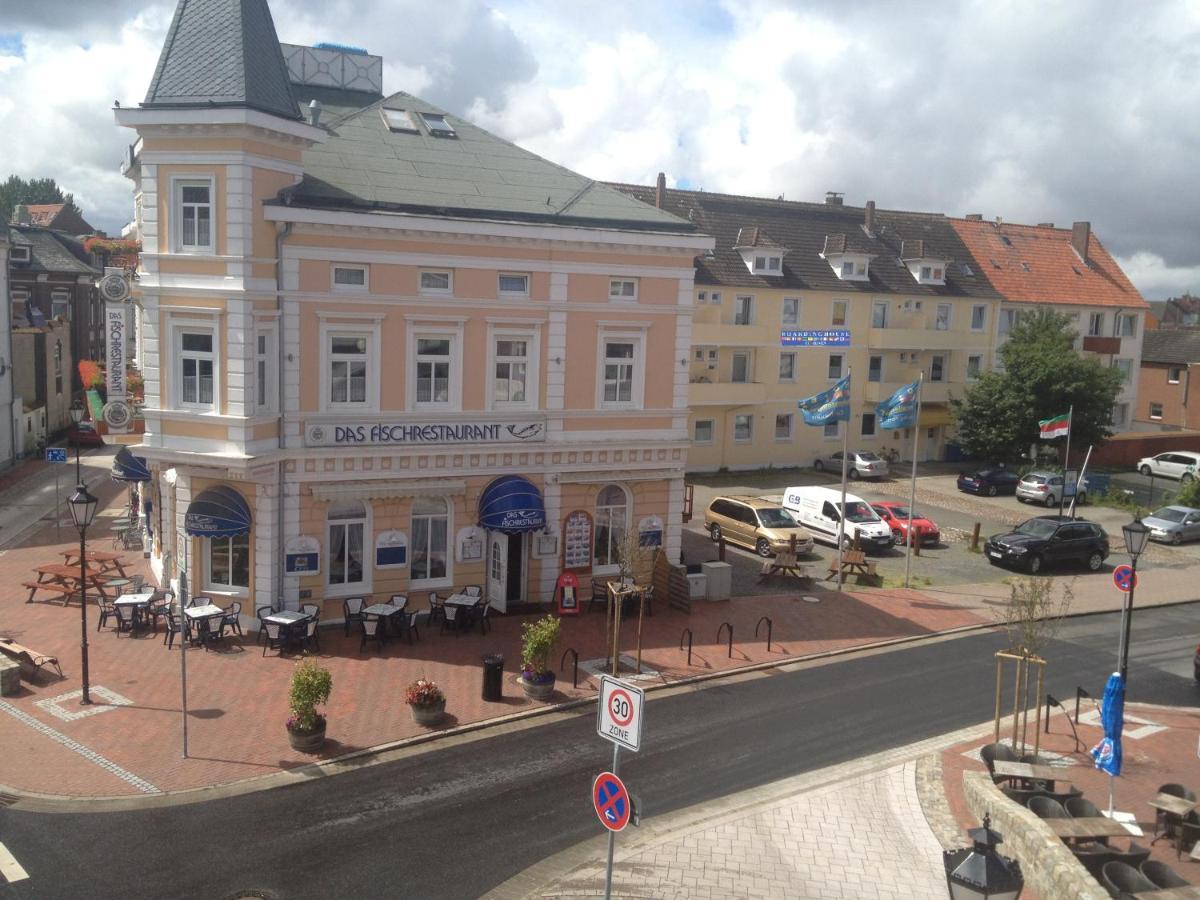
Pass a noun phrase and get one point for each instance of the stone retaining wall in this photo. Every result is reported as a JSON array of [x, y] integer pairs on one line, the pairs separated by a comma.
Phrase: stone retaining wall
[[1048, 865]]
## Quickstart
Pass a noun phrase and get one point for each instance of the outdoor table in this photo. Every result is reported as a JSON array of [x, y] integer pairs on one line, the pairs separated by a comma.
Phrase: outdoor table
[[116, 582], [853, 562], [784, 562], [103, 558], [1027, 771], [1169, 803], [1086, 828], [383, 611], [461, 600], [1175, 893], [286, 617], [139, 602], [207, 611]]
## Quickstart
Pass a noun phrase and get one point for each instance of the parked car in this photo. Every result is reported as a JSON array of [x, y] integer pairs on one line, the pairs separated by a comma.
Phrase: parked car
[[818, 509], [1177, 464], [1047, 488], [859, 464], [1173, 524], [895, 516], [83, 434], [1196, 663], [990, 481], [764, 527], [1049, 540]]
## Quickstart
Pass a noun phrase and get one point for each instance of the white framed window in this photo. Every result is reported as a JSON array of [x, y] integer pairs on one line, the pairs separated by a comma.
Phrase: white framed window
[[229, 564], [431, 559], [978, 317], [1007, 320], [350, 278], [974, 366], [612, 518], [512, 284], [265, 387], [702, 431], [437, 281], [348, 524], [739, 367], [622, 289], [791, 310], [1156, 410], [1125, 367], [743, 310], [879, 314], [868, 425], [743, 428], [622, 375], [195, 214], [768, 264], [197, 369], [839, 312], [847, 269], [787, 366], [1125, 325], [1120, 414], [942, 317], [783, 426], [702, 297], [349, 362], [831, 431], [1174, 375], [1095, 324], [60, 304], [513, 369], [432, 370], [937, 368], [435, 366], [926, 273], [398, 120], [714, 297], [835, 366]]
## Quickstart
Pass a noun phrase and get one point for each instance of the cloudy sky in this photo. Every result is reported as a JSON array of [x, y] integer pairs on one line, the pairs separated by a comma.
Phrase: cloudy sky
[[1032, 111]]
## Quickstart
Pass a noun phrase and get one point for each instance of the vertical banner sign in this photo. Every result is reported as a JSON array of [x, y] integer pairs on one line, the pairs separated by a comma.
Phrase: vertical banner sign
[[114, 289]]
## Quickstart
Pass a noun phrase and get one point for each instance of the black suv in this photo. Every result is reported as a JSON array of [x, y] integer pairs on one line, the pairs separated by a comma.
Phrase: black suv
[[1048, 540]]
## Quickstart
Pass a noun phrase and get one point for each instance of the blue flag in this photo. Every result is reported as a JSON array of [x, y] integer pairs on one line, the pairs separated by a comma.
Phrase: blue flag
[[900, 409], [832, 405]]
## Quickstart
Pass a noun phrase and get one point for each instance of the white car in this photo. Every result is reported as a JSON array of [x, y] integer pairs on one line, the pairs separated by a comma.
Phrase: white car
[[859, 464], [1179, 464]]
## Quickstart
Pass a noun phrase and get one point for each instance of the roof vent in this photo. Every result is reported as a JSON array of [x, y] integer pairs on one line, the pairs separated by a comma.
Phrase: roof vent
[[833, 198], [314, 112]]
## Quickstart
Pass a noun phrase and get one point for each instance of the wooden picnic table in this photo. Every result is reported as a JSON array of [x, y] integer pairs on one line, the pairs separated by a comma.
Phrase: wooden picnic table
[[785, 562], [105, 560], [853, 562], [1087, 828], [68, 576], [1012, 769]]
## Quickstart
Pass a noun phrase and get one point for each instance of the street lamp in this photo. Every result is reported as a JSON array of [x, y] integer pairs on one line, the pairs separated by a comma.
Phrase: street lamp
[[83, 510], [1136, 534], [76, 412], [981, 872]]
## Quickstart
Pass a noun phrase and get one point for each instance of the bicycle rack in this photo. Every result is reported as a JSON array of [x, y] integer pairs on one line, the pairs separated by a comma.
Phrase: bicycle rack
[[766, 619], [562, 662], [725, 625], [1051, 700], [687, 632], [1080, 692]]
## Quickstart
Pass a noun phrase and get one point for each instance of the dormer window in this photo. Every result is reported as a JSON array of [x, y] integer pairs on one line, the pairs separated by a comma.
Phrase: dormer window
[[768, 265], [849, 267], [19, 253], [437, 125], [399, 120], [760, 253]]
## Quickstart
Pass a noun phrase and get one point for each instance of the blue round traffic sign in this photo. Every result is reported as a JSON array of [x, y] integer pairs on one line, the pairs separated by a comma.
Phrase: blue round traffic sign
[[611, 801], [1124, 578]]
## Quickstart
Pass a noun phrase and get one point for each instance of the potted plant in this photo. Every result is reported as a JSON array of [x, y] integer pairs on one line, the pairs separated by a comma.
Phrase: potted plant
[[538, 640], [311, 685], [427, 702]]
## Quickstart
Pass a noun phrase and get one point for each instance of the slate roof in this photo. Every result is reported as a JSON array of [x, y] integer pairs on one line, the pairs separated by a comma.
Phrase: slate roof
[[49, 251], [1176, 346], [1038, 264], [222, 53], [803, 228], [365, 166]]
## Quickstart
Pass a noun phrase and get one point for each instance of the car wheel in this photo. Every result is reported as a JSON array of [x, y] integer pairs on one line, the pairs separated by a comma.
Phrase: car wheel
[[1034, 564], [1094, 562], [991, 491], [1145, 470], [1051, 502], [1177, 538], [715, 533], [898, 536], [853, 473], [763, 548], [1185, 478]]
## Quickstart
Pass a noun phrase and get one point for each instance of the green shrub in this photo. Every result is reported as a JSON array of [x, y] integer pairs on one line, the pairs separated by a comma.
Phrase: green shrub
[[1189, 494], [311, 684], [538, 640]]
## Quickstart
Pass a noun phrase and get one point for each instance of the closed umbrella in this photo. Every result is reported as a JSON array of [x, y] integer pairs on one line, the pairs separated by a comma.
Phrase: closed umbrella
[[1107, 753]]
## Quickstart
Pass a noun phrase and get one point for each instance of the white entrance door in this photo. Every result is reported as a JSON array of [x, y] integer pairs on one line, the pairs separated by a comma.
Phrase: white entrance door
[[506, 569]]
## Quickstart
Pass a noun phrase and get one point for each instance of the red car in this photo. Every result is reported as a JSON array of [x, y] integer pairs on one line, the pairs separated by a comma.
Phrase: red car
[[896, 517], [83, 435]]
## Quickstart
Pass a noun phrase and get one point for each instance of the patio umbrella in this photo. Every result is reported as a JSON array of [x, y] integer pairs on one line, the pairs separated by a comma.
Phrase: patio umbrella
[[1107, 753]]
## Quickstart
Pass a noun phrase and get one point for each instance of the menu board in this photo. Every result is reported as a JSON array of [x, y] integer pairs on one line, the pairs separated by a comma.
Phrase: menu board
[[577, 541]]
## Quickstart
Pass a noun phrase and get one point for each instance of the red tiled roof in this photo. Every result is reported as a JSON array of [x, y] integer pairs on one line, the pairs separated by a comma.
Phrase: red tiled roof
[[1038, 264], [43, 213]]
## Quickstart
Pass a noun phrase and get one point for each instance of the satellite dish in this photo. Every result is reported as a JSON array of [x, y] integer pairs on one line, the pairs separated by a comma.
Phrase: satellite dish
[[114, 288]]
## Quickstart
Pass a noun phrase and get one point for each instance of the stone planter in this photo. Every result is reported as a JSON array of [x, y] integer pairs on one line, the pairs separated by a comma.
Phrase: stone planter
[[536, 690], [429, 716], [310, 742]]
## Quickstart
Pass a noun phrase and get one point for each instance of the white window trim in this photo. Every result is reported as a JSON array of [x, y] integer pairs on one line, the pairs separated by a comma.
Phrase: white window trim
[[638, 389], [745, 440], [370, 330], [448, 579], [178, 327], [438, 292], [833, 313], [787, 438], [749, 354], [533, 340], [712, 428], [523, 295], [783, 311], [216, 587], [1178, 369], [363, 288], [792, 378], [433, 330], [737, 303], [271, 332], [842, 372], [1160, 410], [836, 437], [630, 522], [976, 376], [353, 588], [178, 183], [949, 307], [982, 327], [637, 289]]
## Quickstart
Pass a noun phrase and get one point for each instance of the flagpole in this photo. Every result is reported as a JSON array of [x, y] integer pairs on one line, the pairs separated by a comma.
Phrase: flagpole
[[1079, 482], [912, 492], [845, 426], [1062, 498]]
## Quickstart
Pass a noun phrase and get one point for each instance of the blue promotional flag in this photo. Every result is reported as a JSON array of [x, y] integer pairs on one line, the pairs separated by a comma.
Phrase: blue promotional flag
[[832, 405], [900, 409], [1107, 753]]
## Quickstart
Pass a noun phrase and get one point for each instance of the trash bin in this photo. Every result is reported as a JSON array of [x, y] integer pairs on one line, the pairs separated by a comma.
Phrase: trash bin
[[493, 676]]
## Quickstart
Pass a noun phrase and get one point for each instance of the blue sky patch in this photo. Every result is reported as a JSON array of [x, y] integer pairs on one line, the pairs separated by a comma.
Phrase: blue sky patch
[[11, 44]]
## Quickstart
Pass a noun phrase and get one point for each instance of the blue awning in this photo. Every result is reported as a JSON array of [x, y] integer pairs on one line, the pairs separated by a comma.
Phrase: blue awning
[[127, 467], [512, 504], [217, 512]]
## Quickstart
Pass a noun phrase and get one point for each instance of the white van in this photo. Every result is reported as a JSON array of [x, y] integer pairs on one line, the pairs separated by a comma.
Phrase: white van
[[816, 508]]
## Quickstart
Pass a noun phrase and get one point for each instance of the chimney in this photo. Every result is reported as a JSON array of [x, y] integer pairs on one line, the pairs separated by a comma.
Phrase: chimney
[[870, 217], [314, 112], [21, 214], [974, 217], [833, 198], [1080, 232], [660, 190]]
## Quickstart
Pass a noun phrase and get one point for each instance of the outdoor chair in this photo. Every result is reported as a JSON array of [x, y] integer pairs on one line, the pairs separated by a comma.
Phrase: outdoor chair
[[409, 625], [599, 594], [1134, 856], [371, 631], [484, 610], [233, 616], [311, 638], [398, 600], [473, 590], [1046, 808], [106, 610], [212, 629], [989, 753], [437, 607], [173, 629], [1188, 834], [1122, 880], [311, 610], [125, 619], [1081, 808], [648, 594], [262, 612], [351, 612], [157, 609], [1162, 875], [1063, 796], [197, 601], [1092, 857], [275, 638], [1165, 823], [450, 616], [1021, 796]]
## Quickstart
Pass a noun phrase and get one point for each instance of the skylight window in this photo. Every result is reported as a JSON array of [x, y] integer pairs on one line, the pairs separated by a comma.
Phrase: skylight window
[[399, 120], [437, 124]]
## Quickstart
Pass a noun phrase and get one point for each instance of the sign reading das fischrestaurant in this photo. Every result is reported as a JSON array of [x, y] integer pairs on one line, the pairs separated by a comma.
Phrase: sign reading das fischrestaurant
[[422, 433]]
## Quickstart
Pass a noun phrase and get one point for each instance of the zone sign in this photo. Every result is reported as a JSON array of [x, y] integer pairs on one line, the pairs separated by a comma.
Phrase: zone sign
[[620, 715]]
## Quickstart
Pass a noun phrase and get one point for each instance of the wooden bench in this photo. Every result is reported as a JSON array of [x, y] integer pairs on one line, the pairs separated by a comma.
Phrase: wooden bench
[[60, 589], [30, 661], [853, 562]]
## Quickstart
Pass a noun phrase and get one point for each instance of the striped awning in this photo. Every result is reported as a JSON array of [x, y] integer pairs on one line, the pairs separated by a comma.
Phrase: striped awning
[[127, 467], [217, 512]]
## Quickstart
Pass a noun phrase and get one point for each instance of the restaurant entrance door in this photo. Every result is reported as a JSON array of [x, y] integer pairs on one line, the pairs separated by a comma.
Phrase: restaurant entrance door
[[506, 569]]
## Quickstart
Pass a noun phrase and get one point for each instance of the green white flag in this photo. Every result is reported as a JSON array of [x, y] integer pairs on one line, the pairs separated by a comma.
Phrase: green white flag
[[1059, 426]]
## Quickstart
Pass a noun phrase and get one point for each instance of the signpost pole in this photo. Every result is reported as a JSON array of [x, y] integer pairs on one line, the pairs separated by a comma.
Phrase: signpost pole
[[57, 505], [612, 835]]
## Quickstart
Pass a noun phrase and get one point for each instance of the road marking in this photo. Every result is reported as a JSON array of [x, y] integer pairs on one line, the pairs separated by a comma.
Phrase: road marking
[[10, 868]]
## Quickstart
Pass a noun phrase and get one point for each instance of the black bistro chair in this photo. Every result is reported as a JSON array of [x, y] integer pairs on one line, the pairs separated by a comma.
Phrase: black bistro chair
[[599, 594], [437, 608], [1123, 880], [1163, 875], [1047, 808], [1092, 856], [352, 612], [233, 617], [372, 630]]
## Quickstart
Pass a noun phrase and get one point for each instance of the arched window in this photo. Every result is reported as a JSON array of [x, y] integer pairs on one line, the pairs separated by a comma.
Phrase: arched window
[[347, 543], [612, 518], [430, 539]]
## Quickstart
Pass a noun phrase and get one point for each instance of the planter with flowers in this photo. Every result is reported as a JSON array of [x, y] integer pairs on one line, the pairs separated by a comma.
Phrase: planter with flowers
[[538, 641], [311, 685], [427, 702]]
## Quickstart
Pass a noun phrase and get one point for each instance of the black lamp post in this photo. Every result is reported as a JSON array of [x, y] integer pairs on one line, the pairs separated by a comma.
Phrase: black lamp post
[[1136, 534], [981, 872], [76, 412], [83, 510]]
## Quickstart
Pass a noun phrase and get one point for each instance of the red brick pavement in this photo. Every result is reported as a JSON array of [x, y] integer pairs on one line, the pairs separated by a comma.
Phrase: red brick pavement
[[237, 698]]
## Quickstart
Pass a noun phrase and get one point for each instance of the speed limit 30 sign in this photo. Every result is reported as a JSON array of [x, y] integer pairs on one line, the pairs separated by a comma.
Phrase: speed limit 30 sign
[[620, 715]]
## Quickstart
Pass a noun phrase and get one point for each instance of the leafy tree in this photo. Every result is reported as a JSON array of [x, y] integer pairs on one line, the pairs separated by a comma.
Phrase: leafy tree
[[36, 190], [1043, 376]]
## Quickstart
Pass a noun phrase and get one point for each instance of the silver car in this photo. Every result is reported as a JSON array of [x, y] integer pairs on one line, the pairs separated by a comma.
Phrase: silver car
[[1047, 488], [859, 464], [1173, 524]]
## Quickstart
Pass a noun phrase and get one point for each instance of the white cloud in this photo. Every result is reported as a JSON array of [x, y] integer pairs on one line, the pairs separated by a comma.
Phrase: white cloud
[[1156, 279]]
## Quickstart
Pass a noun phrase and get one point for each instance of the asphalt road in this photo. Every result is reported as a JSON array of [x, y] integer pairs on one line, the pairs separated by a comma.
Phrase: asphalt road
[[459, 819]]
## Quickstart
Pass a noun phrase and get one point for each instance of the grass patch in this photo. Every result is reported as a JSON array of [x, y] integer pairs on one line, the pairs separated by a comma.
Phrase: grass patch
[[897, 581]]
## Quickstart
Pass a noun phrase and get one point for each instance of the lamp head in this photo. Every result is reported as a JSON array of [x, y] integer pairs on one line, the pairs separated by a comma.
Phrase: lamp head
[[83, 507], [76, 412], [1136, 534]]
